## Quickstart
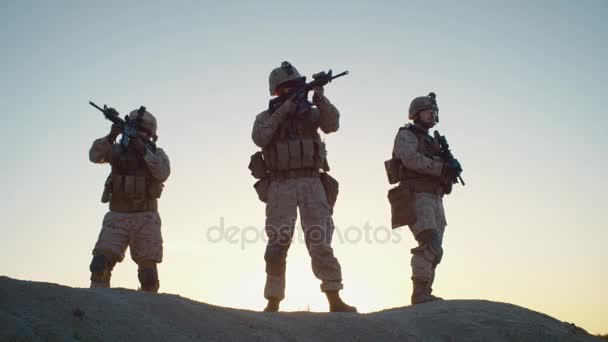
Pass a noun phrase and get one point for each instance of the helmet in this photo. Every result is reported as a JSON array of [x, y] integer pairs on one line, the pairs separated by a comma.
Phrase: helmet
[[147, 121], [281, 75], [422, 103]]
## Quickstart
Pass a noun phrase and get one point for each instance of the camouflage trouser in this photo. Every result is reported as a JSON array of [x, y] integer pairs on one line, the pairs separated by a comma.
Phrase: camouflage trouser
[[431, 216], [138, 231], [284, 197]]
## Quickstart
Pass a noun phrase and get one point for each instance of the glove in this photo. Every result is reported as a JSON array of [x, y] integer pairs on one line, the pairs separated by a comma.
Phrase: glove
[[139, 146], [318, 94], [450, 171], [287, 107], [115, 130]]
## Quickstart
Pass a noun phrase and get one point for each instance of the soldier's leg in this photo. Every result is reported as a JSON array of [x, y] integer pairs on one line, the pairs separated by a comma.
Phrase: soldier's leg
[[146, 245], [318, 226], [109, 249], [317, 223], [281, 211], [428, 254], [441, 224], [147, 273], [101, 270], [425, 259]]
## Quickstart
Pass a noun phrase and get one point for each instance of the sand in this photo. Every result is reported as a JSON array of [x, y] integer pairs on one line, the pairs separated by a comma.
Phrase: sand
[[35, 311]]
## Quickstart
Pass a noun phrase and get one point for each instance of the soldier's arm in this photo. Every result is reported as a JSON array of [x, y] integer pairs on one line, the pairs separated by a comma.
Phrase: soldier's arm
[[158, 164], [406, 146], [101, 151], [329, 116], [264, 127]]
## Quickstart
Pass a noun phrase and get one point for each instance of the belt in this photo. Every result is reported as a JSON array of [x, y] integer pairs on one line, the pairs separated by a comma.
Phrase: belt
[[293, 174], [424, 186], [132, 206]]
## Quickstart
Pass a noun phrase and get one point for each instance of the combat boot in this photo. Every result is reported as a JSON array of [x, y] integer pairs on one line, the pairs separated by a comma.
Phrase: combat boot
[[98, 284], [101, 271], [100, 279], [336, 304], [422, 292], [147, 273], [273, 305]]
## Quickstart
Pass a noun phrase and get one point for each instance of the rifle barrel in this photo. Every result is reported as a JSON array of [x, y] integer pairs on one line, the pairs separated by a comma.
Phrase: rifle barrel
[[340, 74], [96, 106]]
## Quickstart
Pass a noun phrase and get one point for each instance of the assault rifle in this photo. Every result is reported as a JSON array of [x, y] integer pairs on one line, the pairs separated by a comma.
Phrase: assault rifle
[[446, 155], [129, 126], [300, 91]]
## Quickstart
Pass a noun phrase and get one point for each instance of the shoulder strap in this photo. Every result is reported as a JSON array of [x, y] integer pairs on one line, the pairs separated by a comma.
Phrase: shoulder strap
[[395, 142]]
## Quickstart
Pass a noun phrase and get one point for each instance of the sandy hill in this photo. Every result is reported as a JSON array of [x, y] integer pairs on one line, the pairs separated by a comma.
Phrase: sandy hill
[[33, 311]]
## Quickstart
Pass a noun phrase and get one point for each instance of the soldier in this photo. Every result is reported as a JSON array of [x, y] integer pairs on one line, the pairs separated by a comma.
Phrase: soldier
[[132, 189], [293, 155], [424, 178]]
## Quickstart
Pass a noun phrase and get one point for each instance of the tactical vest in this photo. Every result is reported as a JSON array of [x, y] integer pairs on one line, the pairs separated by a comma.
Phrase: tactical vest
[[430, 148], [296, 145], [132, 188]]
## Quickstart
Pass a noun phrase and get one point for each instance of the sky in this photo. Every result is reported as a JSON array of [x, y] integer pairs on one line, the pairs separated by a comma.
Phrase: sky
[[519, 86]]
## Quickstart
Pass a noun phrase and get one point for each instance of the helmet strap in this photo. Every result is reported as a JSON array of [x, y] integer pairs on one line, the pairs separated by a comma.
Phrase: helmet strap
[[421, 123]]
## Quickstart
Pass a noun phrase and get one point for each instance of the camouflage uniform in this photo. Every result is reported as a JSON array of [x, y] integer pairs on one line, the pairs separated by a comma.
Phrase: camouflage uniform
[[294, 154], [429, 205], [133, 221], [422, 173]]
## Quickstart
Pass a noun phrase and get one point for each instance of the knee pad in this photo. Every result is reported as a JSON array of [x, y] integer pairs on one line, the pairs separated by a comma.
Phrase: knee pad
[[148, 278], [98, 264], [275, 257], [101, 268], [430, 242]]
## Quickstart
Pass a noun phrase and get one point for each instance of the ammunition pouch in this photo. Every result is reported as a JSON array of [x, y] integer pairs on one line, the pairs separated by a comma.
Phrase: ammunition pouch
[[393, 170], [296, 154], [403, 206], [257, 166], [107, 190], [155, 189], [331, 186], [133, 193], [129, 187], [261, 188]]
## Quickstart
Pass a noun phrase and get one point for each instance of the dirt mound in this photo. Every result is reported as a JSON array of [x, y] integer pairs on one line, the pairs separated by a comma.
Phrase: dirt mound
[[33, 311]]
